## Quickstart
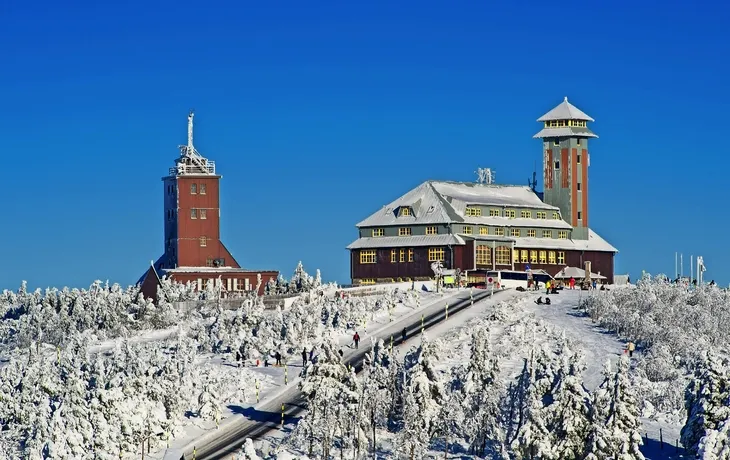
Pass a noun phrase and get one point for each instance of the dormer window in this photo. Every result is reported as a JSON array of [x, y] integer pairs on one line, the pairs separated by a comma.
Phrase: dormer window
[[405, 211], [472, 211]]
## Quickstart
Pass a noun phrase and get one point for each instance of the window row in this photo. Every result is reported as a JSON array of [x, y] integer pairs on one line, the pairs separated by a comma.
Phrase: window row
[[501, 256], [370, 256], [196, 213], [483, 231], [400, 255], [197, 189], [565, 123], [472, 211]]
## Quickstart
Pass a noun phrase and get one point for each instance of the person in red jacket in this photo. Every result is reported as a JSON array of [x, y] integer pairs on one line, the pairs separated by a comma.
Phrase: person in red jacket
[[572, 283], [356, 339]]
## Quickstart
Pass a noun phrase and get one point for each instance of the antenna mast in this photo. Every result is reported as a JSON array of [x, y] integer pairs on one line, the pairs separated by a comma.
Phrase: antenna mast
[[485, 176], [191, 149], [533, 183]]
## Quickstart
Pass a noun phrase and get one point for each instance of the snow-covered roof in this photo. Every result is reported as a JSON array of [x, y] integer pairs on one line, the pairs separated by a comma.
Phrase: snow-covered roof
[[565, 111], [575, 272], [521, 222], [437, 202], [566, 131], [593, 243], [401, 241], [211, 270]]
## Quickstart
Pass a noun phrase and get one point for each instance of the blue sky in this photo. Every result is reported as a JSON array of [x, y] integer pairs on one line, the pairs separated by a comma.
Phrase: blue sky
[[319, 113]]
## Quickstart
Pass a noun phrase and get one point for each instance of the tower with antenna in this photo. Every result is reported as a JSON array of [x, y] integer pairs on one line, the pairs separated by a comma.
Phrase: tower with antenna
[[192, 212], [566, 159]]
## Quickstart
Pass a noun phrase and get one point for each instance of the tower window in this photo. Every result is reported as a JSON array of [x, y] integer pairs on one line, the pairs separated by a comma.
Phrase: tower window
[[579, 215], [556, 141], [202, 189], [578, 185], [577, 159], [203, 213], [405, 211], [193, 189], [203, 241], [193, 213], [578, 141], [557, 165]]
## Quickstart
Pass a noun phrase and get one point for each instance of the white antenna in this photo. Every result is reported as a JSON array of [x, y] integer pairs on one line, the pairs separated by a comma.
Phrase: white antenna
[[190, 131], [191, 161], [485, 176]]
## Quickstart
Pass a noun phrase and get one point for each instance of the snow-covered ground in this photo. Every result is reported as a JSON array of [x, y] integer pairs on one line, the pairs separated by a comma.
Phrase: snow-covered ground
[[521, 322]]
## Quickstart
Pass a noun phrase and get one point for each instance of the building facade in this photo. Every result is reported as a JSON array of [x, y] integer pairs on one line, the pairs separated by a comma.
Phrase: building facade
[[484, 226], [193, 250]]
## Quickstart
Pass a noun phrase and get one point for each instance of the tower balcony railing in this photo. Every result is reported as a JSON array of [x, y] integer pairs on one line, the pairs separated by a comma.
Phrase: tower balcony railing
[[183, 169]]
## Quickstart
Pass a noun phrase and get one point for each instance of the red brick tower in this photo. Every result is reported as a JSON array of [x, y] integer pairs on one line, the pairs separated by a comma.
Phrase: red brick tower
[[192, 212], [194, 251]]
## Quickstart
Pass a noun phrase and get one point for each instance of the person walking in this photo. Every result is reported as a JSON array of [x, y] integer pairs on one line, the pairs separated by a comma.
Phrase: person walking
[[403, 336], [547, 286], [631, 346], [278, 358], [304, 357], [356, 339], [572, 283]]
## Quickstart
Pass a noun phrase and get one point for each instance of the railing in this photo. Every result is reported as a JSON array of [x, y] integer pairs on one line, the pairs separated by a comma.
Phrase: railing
[[208, 167]]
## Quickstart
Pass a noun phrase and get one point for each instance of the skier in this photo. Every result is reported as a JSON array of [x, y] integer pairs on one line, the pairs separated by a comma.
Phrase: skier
[[356, 339], [278, 358], [403, 335], [304, 357]]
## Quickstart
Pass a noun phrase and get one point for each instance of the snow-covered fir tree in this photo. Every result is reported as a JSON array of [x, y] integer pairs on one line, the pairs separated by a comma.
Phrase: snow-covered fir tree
[[707, 402], [568, 414], [424, 397], [615, 426]]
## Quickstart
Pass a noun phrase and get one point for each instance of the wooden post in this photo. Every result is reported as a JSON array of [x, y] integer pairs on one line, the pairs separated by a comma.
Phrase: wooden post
[[421, 323], [282, 415], [286, 376], [257, 391], [447, 310], [194, 452]]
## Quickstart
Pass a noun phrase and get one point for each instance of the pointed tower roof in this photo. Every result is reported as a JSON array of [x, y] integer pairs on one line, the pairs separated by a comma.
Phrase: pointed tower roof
[[565, 111]]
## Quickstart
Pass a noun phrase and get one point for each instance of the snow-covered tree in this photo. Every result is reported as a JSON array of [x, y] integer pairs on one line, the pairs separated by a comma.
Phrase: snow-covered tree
[[424, 397], [615, 426], [707, 401]]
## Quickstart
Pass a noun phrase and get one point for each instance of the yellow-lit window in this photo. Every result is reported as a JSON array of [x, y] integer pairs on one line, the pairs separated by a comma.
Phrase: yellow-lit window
[[436, 254], [526, 214], [494, 212], [498, 231], [432, 230], [367, 281], [516, 256], [541, 215], [484, 255], [502, 255], [467, 230], [368, 256], [378, 231], [563, 235], [203, 213], [402, 255], [193, 189], [556, 215], [410, 255], [484, 230], [524, 256], [510, 213], [471, 211], [531, 233], [551, 257], [547, 233], [405, 231], [405, 211], [514, 232], [543, 257], [533, 256], [202, 189], [393, 256], [561, 258], [203, 241]]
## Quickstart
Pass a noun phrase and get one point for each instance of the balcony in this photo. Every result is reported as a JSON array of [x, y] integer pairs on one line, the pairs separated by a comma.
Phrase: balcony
[[190, 168]]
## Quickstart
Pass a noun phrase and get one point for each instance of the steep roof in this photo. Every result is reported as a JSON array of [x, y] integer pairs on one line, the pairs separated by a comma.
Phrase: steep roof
[[565, 111], [435, 202]]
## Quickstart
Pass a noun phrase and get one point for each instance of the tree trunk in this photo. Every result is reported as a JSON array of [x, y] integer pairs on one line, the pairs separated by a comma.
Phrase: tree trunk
[[372, 421], [311, 431]]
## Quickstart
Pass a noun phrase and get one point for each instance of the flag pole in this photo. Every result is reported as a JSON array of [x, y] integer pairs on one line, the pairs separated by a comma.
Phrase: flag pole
[[691, 269], [676, 266]]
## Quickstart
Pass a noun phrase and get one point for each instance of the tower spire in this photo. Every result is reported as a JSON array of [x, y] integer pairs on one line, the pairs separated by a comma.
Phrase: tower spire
[[190, 131]]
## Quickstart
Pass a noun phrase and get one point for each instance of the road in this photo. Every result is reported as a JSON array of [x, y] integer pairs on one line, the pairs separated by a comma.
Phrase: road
[[267, 416]]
